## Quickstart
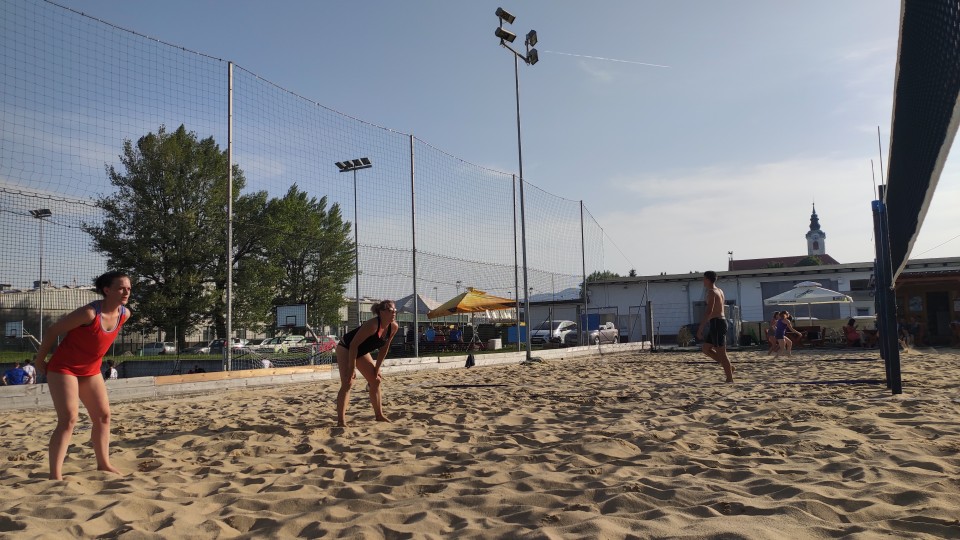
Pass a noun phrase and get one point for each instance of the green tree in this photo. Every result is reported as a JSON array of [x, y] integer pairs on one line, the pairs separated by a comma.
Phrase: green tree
[[313, 251], [602, 275], [165, 225], [810, 260]]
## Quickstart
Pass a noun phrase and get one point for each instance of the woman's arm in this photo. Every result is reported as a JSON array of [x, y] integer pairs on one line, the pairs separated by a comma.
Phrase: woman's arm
[[77, 318], [382, 355], [366, 330]]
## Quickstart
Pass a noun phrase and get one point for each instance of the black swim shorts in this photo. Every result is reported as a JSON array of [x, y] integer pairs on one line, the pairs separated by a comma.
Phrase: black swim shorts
[[717, 334]]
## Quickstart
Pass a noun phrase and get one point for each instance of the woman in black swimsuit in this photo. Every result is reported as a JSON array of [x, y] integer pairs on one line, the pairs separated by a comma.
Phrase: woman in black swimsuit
[[353, 353]]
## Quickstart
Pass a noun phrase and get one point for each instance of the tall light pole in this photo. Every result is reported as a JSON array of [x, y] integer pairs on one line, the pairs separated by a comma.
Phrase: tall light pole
[[530, 58], [459, 282], [41, 214], [355, 165]]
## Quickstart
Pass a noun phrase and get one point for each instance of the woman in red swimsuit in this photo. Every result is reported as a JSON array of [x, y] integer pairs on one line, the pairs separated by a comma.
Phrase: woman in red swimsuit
[[73, 373]]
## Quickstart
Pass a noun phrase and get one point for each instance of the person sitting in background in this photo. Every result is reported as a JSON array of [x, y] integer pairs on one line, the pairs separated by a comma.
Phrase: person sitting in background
[[31, 372], [916, 331], [112, 372], [15, 375], [852, 334], [456, 335]]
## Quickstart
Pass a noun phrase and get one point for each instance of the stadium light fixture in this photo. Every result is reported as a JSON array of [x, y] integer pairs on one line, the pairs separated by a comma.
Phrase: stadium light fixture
[[354, 165], [505, 16], [42, 214], [530, 58], [505, 35]]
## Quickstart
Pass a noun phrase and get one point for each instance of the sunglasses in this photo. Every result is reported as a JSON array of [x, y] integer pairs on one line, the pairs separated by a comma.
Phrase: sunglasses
[[391, 309]]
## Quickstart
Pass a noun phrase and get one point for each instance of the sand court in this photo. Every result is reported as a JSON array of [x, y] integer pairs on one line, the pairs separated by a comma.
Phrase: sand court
[[614, 446]]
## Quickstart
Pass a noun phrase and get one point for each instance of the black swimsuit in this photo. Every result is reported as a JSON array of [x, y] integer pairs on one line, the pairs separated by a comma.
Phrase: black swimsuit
[[370, 344]]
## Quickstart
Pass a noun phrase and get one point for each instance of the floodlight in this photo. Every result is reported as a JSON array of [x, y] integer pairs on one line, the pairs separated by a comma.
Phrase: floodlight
[[532, 57], [505, 16], [532, 38], [41, 213], [505, 35], [354, 164]]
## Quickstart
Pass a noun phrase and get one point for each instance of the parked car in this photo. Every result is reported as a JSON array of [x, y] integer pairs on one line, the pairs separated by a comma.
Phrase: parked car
[[216, 346], [198, 349], [326, 344], [153, 349], [607, 333], [281, 344], [554, 332]]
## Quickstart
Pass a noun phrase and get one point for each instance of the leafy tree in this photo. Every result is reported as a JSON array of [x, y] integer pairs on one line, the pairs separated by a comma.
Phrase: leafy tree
[[313, 251], [810, 260], [633, 272], [602, 275], [599, 275], [164, 225]]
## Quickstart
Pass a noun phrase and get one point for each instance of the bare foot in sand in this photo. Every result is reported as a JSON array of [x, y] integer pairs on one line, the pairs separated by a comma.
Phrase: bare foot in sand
[[383, 419], [109, 468]]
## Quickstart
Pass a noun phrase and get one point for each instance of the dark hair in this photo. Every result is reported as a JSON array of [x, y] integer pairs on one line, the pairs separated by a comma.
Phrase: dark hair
[[851, 322], [776, 313], [107, 280], [711, 275], [381, 305]]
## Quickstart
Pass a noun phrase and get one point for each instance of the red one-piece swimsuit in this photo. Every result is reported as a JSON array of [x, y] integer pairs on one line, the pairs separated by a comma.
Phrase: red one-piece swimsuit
[[81, 353]]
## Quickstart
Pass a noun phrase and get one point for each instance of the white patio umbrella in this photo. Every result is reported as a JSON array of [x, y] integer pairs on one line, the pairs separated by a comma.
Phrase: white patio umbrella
[[422, 304], [808, 292]]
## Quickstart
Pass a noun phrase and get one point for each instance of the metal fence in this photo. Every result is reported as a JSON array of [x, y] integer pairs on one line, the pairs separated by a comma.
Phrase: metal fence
[[75, 88]]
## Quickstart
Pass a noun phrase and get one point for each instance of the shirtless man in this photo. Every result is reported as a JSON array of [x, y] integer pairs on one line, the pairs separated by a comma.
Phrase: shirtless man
[[715, 344]]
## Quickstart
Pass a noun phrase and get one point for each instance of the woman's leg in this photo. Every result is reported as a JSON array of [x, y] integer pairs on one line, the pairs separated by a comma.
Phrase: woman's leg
[[64, 392], [780, 347], [346, 382], [367, 368], [93, 394], [789, 344]]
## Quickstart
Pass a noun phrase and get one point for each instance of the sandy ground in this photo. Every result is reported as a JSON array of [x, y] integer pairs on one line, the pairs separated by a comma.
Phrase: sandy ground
[[634, 445]]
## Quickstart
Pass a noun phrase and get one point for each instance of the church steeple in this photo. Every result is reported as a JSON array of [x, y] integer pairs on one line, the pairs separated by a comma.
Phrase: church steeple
[[815, 237]]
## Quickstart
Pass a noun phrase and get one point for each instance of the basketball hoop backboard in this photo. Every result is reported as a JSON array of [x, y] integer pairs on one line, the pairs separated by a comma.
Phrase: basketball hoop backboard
[[292, 316], [14, 329]]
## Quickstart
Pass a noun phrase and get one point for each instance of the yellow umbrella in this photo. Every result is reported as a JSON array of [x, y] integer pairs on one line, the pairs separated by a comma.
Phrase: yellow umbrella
[[471, 301]]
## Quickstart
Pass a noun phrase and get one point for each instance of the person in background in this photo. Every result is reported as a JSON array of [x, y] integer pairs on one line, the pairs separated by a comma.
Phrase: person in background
[[73, 373], [112, 372], [852, 334], [31, 372], [15, 375], [456, 335], [772, 333], [784, 326], [715, 339], [430, 334]]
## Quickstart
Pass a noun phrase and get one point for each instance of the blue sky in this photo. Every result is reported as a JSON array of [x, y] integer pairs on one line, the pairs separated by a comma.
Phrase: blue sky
[[765, 107]]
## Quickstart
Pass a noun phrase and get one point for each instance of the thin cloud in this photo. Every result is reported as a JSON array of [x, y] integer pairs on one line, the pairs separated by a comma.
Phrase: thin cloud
[[608, 59]]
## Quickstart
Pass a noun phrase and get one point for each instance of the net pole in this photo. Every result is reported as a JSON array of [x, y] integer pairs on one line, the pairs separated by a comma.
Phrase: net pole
[[229, 259], [523, 221], [583, 262], [516, 268], [413, 238]]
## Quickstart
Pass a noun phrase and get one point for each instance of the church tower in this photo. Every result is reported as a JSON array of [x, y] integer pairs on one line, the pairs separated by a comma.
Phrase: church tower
[[815, 237]]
